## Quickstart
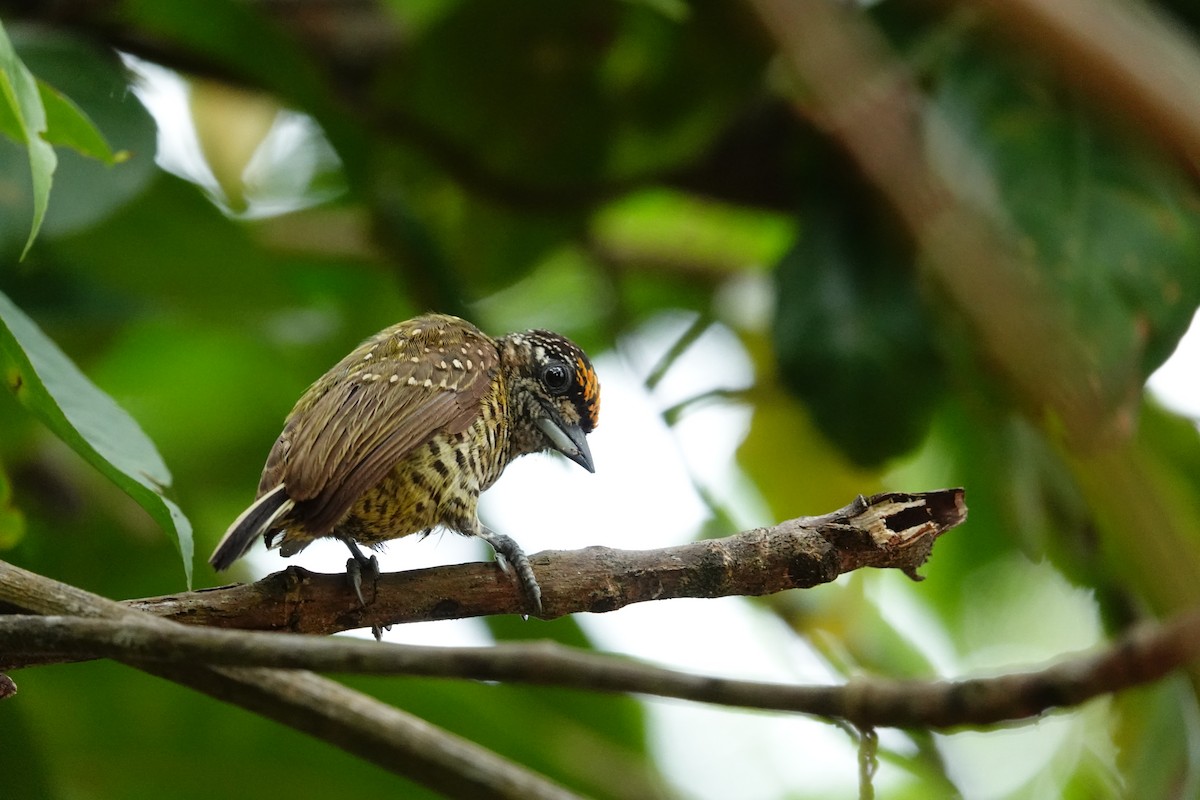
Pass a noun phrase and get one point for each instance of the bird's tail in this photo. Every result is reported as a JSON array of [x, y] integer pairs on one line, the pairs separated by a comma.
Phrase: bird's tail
[[250, 524]]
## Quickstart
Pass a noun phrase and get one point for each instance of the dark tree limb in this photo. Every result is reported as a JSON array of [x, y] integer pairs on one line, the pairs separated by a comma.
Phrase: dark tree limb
[[1133, 59], [891, 530], [392, 739], [1144, 655]]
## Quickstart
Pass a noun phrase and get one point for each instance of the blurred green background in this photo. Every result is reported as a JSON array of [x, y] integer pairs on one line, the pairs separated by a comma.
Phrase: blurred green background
[[634, 175]]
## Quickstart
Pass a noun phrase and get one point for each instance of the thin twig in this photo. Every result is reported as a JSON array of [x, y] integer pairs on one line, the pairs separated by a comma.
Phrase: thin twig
[[868, 762], [697, 328]]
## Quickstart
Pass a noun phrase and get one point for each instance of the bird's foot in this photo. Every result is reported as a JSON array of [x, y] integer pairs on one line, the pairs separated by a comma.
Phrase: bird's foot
[[355, 568], [512, 559], [354, 574]]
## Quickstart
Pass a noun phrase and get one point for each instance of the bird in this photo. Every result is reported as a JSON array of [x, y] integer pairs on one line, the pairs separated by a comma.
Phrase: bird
[[403, 434]]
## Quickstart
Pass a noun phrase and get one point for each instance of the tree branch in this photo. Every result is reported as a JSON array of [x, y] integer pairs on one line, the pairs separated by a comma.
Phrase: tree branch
[[1144, 655], [1133, 58], [390, 738], [891, 530]]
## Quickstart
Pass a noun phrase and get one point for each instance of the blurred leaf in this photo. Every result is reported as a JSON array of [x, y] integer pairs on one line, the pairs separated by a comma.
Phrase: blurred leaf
[[784, 443], [494, 247], [1145, 498], [1151, 731], [231, 124], [547, 298], [22, 761], [237, 35], [852, 335], [1112, 223], [178, 378], [643, 92], [20, 94], [10, 122], [618, 718], [89, 756], [852, 633], [191, 257], [674, 10], [646, 290], [417, 15], [87, 189], [12, 521], [67, 125], [674, 226], [52, 387], [547, 730], [246, 43]]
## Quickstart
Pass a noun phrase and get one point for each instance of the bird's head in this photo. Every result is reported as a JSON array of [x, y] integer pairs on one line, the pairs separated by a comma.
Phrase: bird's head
[[553, 392]]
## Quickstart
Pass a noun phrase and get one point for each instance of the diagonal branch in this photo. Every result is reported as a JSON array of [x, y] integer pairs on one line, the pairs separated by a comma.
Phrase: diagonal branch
[[390, 738], [890, 530], [1132, 57]]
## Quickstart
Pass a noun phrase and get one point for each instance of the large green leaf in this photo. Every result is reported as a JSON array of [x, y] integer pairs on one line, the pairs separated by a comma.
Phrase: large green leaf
[[1109, 221], [851, 332], [88, 420], [23, 103]]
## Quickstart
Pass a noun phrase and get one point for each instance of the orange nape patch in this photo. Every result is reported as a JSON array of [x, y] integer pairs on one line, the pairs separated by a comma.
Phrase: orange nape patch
[[591, 390]]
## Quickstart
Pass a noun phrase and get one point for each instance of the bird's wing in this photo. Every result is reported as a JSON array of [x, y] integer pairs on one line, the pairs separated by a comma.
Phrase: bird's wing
[[384, 400]]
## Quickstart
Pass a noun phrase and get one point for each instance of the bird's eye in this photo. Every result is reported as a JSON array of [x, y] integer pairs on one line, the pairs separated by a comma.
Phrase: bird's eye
[[556, 377]]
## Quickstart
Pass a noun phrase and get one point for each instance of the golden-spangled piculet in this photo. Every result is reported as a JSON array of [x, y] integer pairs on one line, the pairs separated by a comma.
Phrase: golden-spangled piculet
[[402, 435]]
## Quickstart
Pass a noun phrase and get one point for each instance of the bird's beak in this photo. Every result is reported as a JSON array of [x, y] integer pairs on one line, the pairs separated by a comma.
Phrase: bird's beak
[[568, 439]]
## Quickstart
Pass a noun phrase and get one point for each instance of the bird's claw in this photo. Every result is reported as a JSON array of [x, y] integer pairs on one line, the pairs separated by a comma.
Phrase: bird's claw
[[354, 574], [515, 563], [355, 567]]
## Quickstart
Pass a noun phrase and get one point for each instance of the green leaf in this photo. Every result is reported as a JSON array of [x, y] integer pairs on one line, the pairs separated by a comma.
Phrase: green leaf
[[12, 521], [69, 126], [646, 93], [619, 720], [49, 384], [24, 104], [10, 123], [851, 331], [674, 10], [1110, 221], [86, 189]]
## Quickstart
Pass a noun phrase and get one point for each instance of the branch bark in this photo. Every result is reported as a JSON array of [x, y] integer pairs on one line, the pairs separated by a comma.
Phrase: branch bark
[[890, 530], [390, 738], [1144, 655]]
